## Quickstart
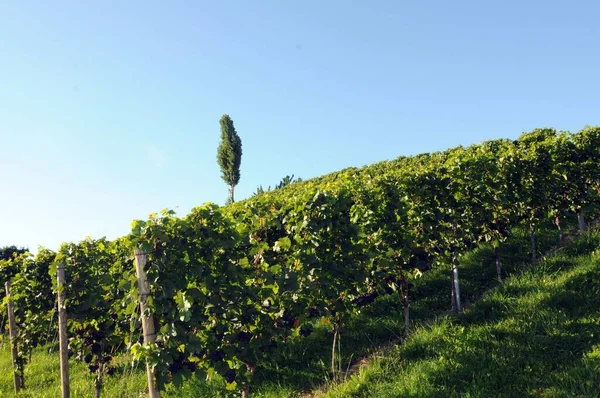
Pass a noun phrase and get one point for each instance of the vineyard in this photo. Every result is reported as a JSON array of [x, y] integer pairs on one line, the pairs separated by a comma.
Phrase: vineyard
[[218, 292]]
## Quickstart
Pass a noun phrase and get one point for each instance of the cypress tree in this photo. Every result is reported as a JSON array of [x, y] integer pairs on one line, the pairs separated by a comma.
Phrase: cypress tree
[[229, 154]]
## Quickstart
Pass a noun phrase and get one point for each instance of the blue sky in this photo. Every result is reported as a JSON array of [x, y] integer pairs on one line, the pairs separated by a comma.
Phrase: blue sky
[[109, 110]]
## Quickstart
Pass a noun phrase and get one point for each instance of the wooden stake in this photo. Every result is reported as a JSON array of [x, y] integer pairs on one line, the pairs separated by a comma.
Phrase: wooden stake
[[532, 238], [13, 340], [456, 282], [580, 220], [560, 232], [63, 343], [147, 321], [498, 264]]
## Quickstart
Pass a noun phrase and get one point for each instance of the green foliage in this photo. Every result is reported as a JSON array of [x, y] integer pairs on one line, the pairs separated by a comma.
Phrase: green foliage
[[32, 298], [98, 279], [535, 170], [8, 268], [285, 181], [260, 190]]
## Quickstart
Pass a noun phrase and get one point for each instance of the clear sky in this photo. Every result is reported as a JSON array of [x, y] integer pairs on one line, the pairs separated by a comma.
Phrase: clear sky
[[109, 110]]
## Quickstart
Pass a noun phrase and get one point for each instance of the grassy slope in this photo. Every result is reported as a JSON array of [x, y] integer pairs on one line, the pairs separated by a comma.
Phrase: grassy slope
[[303, 364], [537, 335]]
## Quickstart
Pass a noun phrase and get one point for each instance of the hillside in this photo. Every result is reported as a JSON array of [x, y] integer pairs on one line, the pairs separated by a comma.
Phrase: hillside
[[292, 289], [536, 335]]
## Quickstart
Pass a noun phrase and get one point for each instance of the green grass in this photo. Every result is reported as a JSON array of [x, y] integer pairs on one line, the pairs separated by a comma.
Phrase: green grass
[[537, 335], [42, 378], [302, 365]]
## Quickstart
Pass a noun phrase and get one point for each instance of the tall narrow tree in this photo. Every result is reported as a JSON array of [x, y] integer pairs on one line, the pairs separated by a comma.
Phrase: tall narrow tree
[[229, 154]]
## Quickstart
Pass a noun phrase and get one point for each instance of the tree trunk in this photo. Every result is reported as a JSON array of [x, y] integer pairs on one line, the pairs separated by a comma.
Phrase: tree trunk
[[532, 238], [560, 232], [580, 220], [498, 263], [336, 331], [231, 188], [456, 282], [99, 376], [246, 387]]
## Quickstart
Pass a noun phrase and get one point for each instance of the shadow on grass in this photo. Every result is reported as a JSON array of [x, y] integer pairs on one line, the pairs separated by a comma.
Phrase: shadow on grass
[[538, 335]]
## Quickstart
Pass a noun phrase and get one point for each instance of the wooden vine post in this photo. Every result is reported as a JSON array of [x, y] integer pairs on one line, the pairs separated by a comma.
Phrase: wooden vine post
[[13, 340], [63, 342], [147, 321], [455, 284]]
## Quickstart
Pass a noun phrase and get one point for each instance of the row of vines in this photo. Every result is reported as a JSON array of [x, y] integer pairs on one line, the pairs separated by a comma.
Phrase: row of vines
[[229, 284]]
